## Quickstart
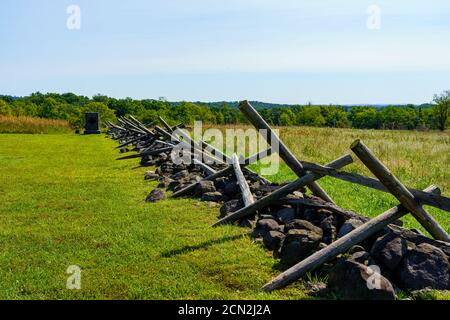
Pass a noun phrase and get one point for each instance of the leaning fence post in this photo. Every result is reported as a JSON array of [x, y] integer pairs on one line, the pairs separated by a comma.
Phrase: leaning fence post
[[394, 186], [247, 196], [284, 152], [282, 192], [165, 124]]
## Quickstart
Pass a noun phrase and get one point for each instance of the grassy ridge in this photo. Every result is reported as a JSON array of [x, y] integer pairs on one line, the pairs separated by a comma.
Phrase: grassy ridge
[[22, 124]]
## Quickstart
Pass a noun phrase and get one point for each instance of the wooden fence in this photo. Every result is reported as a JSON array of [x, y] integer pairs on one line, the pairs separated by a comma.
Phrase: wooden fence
[[411, 201]]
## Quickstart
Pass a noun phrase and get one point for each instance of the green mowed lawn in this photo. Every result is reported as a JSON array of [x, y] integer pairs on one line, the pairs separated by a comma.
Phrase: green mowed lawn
[[65, 200]]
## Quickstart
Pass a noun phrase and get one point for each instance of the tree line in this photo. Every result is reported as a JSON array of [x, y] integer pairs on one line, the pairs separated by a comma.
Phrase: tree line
[[71, 107]]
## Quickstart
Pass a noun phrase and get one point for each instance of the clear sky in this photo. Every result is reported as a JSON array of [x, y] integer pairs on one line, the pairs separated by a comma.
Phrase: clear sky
[[282, 51]]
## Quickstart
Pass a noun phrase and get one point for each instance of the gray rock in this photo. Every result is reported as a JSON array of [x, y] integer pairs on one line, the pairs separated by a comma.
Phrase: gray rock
[[316, 215], [355, 248], [389, 250], [304, 225], [273, 239], [329, 229], [355, 281], [285, 215], [180, 175], [179, 167], [231, 188], [205, 187], [155, 195], [220, 183], [151, 175], [165, 168], [194, 178], [266, 216], [229, 207], [265, 225], [297, 245], [317, 289], [164, 182], [418, 238], [211, 196], [424, 266], [348, 226], [174, 185], [360, 256]]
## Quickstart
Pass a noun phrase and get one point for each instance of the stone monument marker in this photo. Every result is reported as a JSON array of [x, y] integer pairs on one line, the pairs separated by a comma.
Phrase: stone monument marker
[[92, 123]]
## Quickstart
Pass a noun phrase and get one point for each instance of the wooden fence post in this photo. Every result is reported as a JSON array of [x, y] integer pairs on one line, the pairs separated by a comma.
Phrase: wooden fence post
[[254, 117], [243, 185], [399, 190], [282, 192]]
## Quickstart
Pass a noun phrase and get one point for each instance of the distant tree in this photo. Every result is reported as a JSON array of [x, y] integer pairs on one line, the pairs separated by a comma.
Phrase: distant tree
[[395, 117], [229, 115], [267, 114], [335, 116], [311, 116], [442, 109], [287, 117], [5, 109], [126, 106], [100, 98], [50, 108], [364, 117]]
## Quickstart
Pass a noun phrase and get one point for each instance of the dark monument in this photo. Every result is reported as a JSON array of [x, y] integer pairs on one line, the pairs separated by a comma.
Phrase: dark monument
[[92, 123]]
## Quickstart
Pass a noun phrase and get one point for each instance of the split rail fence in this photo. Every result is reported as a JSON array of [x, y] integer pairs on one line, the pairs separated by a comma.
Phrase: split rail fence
[[411, 201]]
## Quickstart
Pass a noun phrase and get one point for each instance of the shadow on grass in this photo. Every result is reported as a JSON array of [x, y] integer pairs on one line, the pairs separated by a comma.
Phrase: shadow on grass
[[202, 245]]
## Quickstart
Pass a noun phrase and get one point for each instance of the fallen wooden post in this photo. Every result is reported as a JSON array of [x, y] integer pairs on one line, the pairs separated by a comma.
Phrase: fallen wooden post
[[340, 245], [243, 185], [293, 163], [403, 195], [282, 192]]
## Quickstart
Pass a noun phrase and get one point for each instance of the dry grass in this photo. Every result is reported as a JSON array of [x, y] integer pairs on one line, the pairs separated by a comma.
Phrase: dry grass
[[418, 158], [22, 124]]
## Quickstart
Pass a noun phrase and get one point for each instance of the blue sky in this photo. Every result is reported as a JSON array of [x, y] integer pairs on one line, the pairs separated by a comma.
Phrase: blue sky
[[282, 51]]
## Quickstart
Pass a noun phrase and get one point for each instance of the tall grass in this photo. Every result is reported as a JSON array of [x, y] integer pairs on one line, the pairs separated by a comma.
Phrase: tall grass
[[419, 158], [9, 124]]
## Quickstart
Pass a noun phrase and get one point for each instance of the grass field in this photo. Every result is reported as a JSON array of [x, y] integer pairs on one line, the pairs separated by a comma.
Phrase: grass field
[[66, 201]]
